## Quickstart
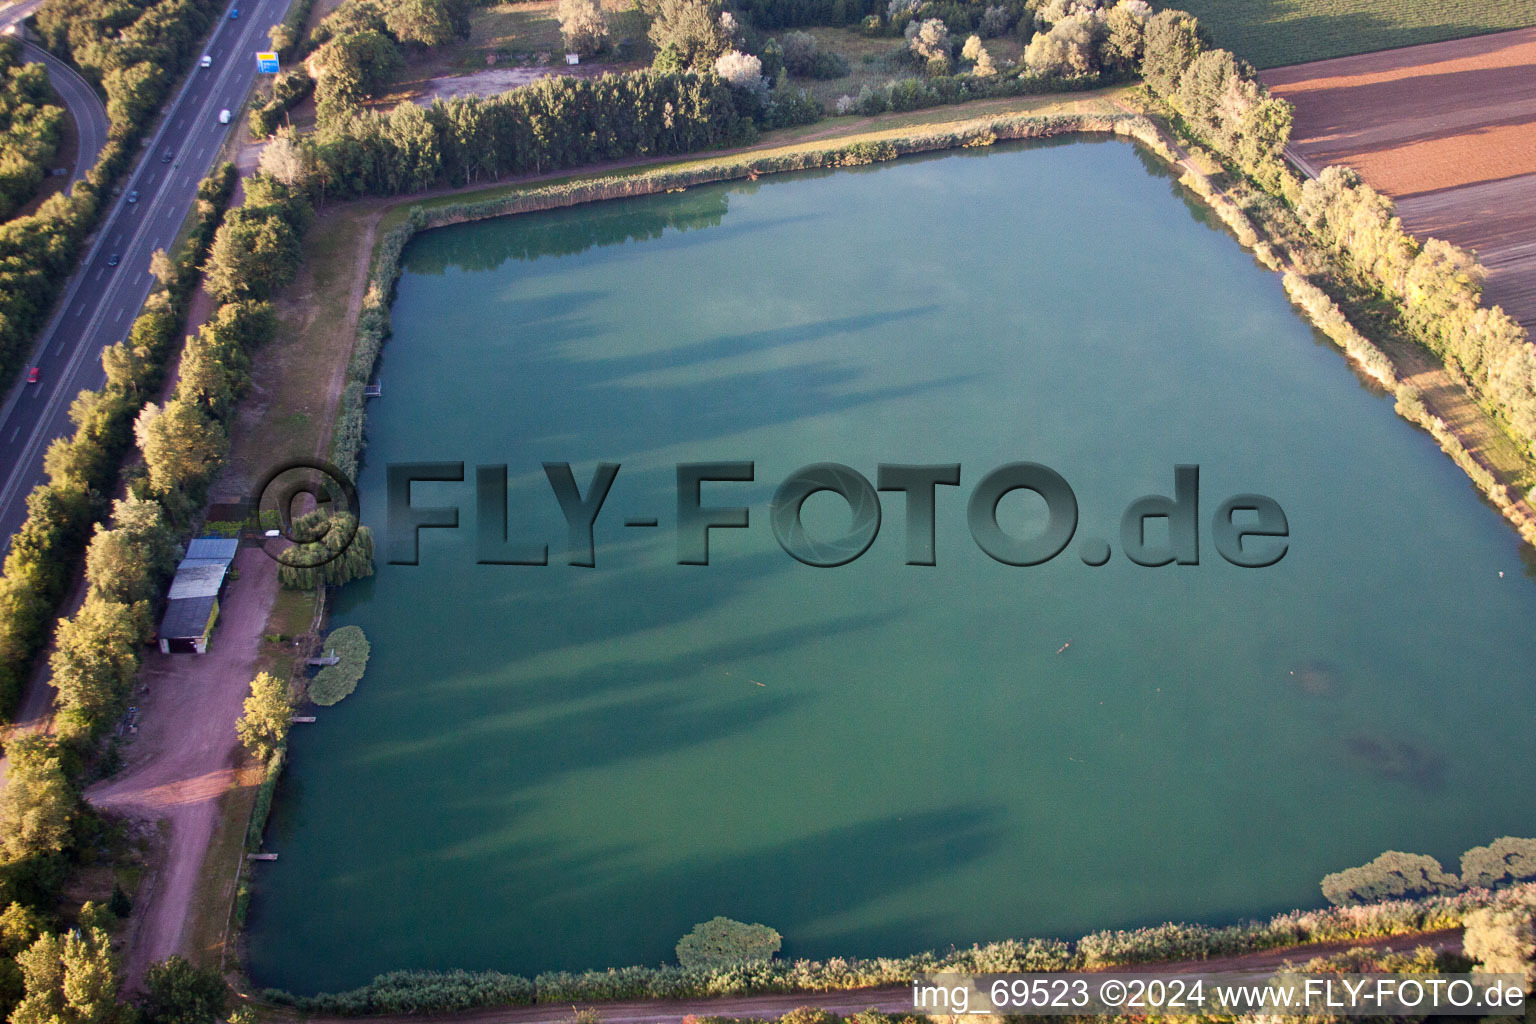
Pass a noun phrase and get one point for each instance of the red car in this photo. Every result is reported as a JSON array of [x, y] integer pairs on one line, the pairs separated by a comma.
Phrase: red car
[[33, 375]]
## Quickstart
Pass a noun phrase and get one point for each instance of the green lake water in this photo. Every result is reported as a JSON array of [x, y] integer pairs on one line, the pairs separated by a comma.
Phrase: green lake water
[[559, 767]]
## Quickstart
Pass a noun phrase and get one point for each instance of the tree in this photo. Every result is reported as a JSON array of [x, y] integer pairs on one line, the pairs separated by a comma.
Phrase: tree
[[583, 26], [1393, 875], [1503, 940], [161, 267], [298, 569], [252, 257], [1172, 42], [95, 661], [722, 942], [286, 159], [1125, 27], [38, 805], [1502, 862], [268, 713], [425, 22], [181, 446], [928, 39], [1067, 49], [693, 33], [741, 70], [178, 993], [127, 562], [352, 67]]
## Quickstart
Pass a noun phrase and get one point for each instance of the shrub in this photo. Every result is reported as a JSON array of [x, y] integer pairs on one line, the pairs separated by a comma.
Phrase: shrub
[[1501, 862], [1392, 875], [333, 682], [721, 942], [1503, 940], [178, 993]]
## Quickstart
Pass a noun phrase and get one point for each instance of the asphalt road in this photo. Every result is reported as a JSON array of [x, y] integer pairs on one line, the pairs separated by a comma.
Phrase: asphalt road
[[83, 103], [101, 300]]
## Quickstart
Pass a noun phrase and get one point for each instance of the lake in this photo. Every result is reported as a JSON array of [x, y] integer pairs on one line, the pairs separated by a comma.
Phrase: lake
[[559, 768]]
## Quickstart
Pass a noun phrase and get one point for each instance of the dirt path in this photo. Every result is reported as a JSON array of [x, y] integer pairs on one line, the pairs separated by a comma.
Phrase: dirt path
[[891, 999], [184, 757]]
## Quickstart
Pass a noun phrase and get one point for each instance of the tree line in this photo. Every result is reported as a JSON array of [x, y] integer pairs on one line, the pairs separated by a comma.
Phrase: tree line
[[30, 125], [552, 124], [1434, 287]]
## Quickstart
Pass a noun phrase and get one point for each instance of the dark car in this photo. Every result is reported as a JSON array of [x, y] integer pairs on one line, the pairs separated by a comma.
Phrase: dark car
[[133, 196], [112, 260], [165, 157], [34, 375]]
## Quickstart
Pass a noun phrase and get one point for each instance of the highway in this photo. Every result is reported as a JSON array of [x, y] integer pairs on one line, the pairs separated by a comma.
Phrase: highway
[[101, 300]]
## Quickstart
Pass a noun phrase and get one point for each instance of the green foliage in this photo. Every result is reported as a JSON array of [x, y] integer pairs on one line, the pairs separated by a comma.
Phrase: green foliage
[[417, 992], [333, 682], [1437, 288], [83, 467], [94, 663], [262, 808], [263, 728], [354, 563], [69, 980], [1274, 32], [30, 124], [178, 993], [1393, 875], [38, 805], [583, 28], [721, 942], [551, 124], [1502, 862], [689, 34]]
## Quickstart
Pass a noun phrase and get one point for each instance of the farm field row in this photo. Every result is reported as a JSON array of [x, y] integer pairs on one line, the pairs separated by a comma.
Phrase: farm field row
[[1449, 131]]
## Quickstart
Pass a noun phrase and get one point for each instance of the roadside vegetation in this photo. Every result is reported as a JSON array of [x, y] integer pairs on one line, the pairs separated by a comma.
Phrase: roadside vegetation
[[1274, 32], [126, 563], [31, 124]]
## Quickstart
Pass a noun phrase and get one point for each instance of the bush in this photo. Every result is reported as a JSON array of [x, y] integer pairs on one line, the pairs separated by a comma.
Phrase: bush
[[333, 682], [721, 942], [1502, 862], [178, 993], [1503, 940], [1393, 875]]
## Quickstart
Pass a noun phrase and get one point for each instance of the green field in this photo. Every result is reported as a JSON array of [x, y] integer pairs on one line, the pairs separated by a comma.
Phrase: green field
[[1271, 33]]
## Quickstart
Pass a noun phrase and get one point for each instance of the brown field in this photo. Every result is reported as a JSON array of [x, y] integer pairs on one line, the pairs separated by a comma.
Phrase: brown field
[[1446, 129]]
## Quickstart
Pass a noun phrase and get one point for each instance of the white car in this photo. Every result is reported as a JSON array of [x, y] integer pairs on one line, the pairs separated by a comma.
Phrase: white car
[[223, 117], [207, 61]]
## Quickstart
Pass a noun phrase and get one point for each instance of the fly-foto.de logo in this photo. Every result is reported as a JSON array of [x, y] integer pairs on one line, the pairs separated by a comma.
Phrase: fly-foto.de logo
[[1247, 530]]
